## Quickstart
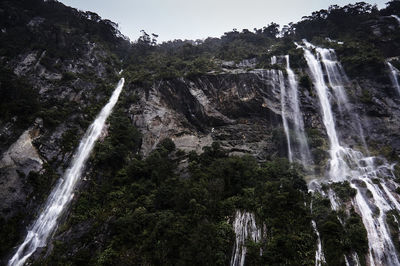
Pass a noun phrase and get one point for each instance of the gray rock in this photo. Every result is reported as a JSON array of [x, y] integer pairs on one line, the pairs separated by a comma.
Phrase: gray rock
[[16, 163]]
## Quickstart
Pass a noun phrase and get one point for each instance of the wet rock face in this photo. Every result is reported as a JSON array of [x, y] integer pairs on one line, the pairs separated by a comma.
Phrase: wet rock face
[[239, 111]]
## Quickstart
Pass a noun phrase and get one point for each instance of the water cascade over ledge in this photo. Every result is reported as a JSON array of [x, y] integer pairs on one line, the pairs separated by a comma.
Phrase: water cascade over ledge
[[352, 165], [245, 227], [62, 193]]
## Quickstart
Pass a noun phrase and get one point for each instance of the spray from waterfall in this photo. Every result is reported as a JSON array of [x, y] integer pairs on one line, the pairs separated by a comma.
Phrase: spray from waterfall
[[62, 193], [360, 171]]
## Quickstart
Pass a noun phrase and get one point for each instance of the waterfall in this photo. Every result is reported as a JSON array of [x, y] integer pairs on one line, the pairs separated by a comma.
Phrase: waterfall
[[303, 149], [290, 109], [319, 254], [394, 73], [62, 193], [245, 228], [277, 78], [352, 165], [397, 18], [337, 165], [282, 87], [336, 76], [336, 79]]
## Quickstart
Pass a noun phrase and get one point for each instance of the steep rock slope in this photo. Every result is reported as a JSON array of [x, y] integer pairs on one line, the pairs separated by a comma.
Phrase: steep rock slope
[[54, 80]]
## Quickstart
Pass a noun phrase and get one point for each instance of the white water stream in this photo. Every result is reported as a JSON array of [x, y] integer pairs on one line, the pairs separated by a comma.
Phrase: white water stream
[[319, 254], [62, 193], [301, 139], [284, 113], [359, 170], [394, 74], [397, 18], [245, 228]]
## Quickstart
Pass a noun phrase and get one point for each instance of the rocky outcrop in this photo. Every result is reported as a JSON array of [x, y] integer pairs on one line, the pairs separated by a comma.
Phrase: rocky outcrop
[[238, 110], [15, 165]]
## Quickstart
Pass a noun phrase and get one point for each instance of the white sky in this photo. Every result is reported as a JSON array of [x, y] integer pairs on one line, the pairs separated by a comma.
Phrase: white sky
[[198, 19]]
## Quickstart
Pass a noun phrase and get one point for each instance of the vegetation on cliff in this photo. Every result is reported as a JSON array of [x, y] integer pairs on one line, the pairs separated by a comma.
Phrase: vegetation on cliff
[[135, 210]]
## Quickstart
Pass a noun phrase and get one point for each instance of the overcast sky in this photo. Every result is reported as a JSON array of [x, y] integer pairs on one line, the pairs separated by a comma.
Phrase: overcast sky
[[198, 19]]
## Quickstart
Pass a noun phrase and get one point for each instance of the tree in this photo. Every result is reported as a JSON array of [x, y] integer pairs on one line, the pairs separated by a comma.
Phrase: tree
[[271, 31]]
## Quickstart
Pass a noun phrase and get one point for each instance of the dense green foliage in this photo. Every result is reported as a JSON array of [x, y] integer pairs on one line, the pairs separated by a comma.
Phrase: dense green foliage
[[59, 21], [140, 211], [368, 38], [18, 99]]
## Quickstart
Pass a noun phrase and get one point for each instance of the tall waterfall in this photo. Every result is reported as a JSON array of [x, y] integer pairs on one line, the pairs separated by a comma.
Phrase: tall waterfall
[[62, 193], [336, 79], [394, 74], [282, 87], [337, 164], [245, 228], [298, 149], [360, 171], [277, 78], [303, 149]]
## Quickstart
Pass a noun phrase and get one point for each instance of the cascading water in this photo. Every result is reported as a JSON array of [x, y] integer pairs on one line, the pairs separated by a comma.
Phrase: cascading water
[[319, 254], [304, 150], [290, 108], [348, 164], [280, 79], [245, 228], [277, 78], [394, 74], [338, 167], [397, 18], [337, 78], [62, 193]]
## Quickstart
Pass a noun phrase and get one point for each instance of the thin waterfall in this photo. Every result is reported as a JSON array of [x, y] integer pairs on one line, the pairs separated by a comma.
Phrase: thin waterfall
[[245, 228], [348, 164], [298, 148], [394, 74], [284, 113], [278, 78], [397, 18], [62, 193], [319, 254], [303, 149]]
